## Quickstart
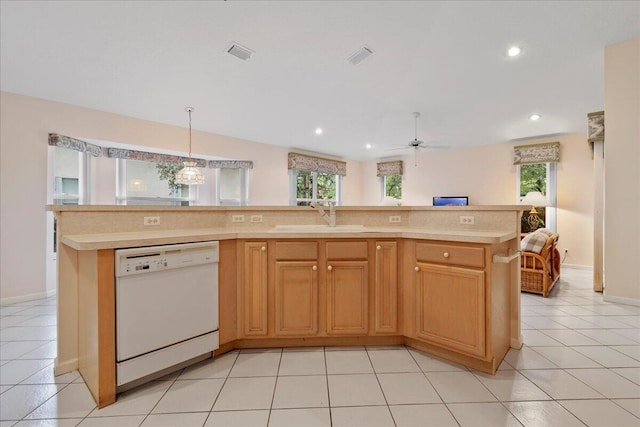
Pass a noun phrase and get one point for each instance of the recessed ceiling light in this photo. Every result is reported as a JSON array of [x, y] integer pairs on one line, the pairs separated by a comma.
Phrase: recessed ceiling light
[[535, 117], [368, 146], [514, 51], [318, 131]]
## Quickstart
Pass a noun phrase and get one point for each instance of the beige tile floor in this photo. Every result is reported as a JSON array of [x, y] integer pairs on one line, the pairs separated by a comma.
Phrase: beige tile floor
[[580, 366]]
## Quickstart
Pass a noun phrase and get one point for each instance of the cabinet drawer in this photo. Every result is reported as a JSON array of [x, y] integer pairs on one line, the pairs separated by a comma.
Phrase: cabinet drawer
[[347, 250], [295, 251], [450, 255]]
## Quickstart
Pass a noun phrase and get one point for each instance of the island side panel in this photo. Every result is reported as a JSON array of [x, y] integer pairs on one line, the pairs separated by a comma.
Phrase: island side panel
[[67, 310], [228, 295], [106, 328], [96, 324]]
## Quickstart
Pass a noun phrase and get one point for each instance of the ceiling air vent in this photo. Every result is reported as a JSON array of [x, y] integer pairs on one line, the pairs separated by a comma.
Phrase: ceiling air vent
[[360, 55], [239, 51]]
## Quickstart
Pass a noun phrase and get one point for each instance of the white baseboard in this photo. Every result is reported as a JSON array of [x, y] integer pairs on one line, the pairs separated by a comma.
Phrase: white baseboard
[[65, 367], [29, 297], [620, 300], [577, 267]]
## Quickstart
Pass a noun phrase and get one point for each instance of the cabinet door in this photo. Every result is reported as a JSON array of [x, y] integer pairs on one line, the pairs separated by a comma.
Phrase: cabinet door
[[386, 288], [296, 289], [347, 297], [450, 308], [255, 288]]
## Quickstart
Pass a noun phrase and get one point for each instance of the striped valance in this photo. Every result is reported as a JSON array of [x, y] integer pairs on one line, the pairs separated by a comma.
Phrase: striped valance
[[317, 164], [74, 144], [536, 153], [230, 164], [121, 153], [395, 167]]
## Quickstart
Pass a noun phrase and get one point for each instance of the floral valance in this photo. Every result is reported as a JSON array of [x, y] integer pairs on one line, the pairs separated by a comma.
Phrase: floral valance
[[536, 153], [74, 144], [230, 164], [395, 167], [121, 153], [596, 126], [317, 164]]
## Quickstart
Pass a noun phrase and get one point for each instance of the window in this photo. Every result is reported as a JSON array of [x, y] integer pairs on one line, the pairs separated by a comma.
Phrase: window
[[232, 187], [70, 167], [150, 183], [538, 177], [392, 186], [309, 186]]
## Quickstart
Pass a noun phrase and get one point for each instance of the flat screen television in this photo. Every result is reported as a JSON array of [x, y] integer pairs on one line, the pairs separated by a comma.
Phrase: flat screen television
[[451, 201]]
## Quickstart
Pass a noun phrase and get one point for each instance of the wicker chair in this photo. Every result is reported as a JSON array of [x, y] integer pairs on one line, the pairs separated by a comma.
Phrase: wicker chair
[[540, 272]]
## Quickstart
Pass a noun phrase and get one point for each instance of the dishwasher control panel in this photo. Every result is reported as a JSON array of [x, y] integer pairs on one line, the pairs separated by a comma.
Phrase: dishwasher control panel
[[158, 258]]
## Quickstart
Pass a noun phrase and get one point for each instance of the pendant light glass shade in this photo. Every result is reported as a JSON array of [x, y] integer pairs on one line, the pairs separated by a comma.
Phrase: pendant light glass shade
[[190, 174]]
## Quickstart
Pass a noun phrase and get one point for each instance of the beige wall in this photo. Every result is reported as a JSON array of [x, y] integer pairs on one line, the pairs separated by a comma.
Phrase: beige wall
[[25, 267], [622, 172], [487, 175]]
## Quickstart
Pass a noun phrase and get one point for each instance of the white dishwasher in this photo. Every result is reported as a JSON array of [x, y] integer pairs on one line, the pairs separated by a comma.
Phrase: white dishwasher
[[166, 307]]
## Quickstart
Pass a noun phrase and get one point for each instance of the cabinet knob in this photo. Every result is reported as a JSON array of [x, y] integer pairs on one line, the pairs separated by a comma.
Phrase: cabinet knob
[[416, 268], [330, 267], [314, 268], [264, 248], [446, 254], [378, 247]]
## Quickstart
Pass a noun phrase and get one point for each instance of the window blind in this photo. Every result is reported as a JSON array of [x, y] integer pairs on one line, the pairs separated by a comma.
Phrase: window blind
[[390, 168], [74, 144], [536, 153], [121, 153], [230, 164], [317, 164]]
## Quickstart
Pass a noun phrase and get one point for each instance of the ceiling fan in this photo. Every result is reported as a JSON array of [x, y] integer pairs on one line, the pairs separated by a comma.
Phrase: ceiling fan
[[416, 144]]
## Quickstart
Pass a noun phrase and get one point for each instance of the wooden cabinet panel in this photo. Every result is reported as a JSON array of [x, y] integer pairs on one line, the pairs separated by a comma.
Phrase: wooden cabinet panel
[[296, 296], [450, 307], [347, 250], [255, 288], [386, 288], [347, 297], [450, 254], [296, 251]]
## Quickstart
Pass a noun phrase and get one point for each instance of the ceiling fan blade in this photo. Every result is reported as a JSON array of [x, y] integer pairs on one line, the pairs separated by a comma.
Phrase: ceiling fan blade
[[398, 148], [437, 147]]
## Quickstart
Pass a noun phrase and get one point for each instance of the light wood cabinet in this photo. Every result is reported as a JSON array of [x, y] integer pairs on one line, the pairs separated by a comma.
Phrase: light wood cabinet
[[347, 297], [386, 287], [255, 289], [347, 283], [450, 309], [296, 298]]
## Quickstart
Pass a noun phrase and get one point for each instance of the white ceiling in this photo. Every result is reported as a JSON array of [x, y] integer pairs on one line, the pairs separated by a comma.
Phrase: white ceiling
[[150, 59]]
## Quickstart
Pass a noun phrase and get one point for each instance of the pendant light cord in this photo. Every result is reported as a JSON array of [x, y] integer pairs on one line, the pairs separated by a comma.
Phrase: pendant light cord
[[189, 110]]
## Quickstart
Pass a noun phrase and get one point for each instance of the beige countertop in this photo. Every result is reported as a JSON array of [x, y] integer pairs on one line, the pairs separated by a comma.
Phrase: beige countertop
[[149, 238], [119, 208]]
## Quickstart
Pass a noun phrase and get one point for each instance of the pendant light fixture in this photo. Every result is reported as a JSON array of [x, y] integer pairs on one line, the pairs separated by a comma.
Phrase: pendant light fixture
[[190, 174]]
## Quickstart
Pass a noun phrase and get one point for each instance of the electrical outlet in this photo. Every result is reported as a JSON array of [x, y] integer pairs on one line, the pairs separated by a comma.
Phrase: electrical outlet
[[256, 218], [467, 219], [151, 220], [395, 219], [237, 218]]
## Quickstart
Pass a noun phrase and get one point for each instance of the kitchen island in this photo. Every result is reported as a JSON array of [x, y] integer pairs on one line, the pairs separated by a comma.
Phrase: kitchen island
[[427, 281]]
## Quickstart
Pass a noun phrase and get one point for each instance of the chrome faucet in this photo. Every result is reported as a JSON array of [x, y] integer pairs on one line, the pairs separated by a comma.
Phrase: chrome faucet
[[330, 217]]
